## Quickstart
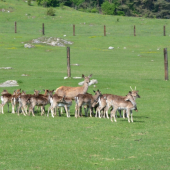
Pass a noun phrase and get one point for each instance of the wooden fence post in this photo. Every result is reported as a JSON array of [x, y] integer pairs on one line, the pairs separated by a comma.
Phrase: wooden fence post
[[68, 62], [43, 29], [104, 30], [15, 27], [164, 31], [134, 30], [166, 63], [73, 30]]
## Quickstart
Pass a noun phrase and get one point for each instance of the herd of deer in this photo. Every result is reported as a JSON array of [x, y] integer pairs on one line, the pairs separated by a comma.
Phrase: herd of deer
[[63, 97]]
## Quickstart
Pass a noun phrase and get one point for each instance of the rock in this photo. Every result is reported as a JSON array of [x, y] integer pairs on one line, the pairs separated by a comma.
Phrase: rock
[[24, 75], [93, 81], [6, 68], [75, 64], [110, 48], [9, 83], [77, 77], [28, 46], [51, 41]]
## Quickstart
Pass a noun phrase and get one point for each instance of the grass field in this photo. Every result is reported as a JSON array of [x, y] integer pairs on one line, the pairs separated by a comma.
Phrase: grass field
[[42, 142]]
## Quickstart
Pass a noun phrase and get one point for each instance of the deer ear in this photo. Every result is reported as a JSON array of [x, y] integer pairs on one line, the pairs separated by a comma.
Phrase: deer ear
[[90, 75], [130, 92], [82, 75], [94, 91]]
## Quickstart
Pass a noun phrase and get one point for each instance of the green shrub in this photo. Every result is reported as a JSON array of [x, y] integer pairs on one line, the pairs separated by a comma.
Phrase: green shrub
[[51, 11], [121, 13], [48, 3], [108, 8], [94, 10], [29, 2], [62, 5]]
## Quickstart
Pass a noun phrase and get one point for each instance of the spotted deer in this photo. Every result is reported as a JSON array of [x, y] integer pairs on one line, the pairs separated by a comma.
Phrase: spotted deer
[[39, 100], [102, 105], [24, 101], [87, 100], [6, 99], [122, 103], [135, 95], [59, 101]]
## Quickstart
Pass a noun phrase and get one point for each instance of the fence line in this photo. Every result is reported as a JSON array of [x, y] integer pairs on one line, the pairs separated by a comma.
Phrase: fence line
[[86, 29]]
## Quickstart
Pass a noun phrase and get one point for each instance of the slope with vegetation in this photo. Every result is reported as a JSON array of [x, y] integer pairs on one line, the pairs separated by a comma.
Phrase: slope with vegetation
[[146, 8]]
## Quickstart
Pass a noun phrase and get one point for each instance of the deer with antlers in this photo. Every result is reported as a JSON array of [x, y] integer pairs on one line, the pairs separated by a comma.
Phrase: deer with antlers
[[122, 103], [135, 95]]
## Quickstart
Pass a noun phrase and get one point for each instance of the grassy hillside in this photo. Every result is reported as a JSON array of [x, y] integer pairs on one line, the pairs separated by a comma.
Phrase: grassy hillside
[[85, 143]]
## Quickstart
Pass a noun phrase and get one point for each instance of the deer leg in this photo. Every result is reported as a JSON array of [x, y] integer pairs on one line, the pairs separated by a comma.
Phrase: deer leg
[[41, 109], [2, 106], [48, 111], [52, 112], [8, 107], [113, 114], [123, 114], [131, 116], [65, 106], [128, 115], [19, 108], [96, 111], [79, 108], [91, 111], [13, 108]]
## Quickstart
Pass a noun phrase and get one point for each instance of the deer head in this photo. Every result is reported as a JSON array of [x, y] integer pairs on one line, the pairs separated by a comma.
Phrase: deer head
[[86, 79]]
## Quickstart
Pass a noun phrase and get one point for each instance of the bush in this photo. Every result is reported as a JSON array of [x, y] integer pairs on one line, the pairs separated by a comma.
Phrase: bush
[[108, 8], [29, 2], [121, 13], [48, 3], [51, 11], [94, 10]]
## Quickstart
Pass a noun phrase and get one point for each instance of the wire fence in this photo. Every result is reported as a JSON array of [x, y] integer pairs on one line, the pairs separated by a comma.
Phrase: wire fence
[[84, 29]]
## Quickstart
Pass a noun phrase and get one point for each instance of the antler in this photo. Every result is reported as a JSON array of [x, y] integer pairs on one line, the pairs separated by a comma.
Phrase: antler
[[135, 87], [131, 88]]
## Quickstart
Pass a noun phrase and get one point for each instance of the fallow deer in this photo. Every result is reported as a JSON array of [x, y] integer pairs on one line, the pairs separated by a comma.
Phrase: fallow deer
[[6, 99], [39, 100], [88, 100], [15, 100], [59, 101], [121, 103], [72, 92], [102, 105], [24, 101], [135, 95]]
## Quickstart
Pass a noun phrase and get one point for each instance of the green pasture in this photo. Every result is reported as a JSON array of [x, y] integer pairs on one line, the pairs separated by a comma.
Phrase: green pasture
[[43, 142]]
